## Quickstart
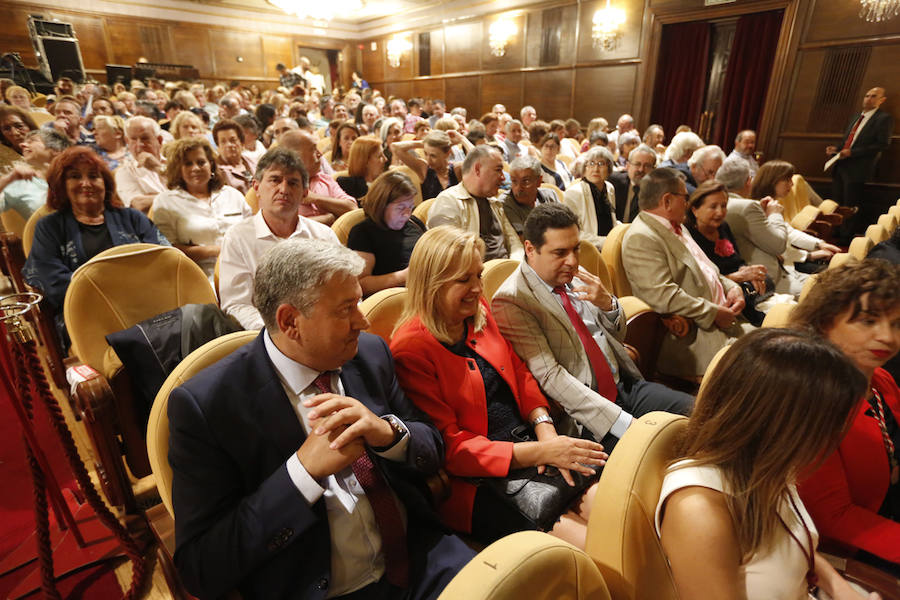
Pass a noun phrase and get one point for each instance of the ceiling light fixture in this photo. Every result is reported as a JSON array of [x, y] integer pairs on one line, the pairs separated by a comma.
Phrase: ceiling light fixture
[[323, 11], [876, 11]]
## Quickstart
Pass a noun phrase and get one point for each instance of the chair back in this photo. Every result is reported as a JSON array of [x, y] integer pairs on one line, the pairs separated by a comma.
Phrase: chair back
[[860, 247], [779, 315], [804, 218], [528, 564], [421, 211], [125, 285], [30, 225], [346, 222], [40, 117], [13, 222], [252, 200], [621, 535], [495, 272], [216, 275], [712, 364], [797, 199], [565, 159], [876, 233], [612, 256], [589, 258], [324, 143], [807, 285], [158, 425], [417, 183], [889, 222], [383, 309], [558, 192], [828, 207]]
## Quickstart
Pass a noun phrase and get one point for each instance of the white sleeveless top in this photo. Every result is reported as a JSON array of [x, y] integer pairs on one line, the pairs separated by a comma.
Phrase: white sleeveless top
[[780, 574]]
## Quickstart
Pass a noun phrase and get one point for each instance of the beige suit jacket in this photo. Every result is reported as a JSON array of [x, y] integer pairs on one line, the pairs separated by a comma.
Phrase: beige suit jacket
[[663, 274], [537, 326], [455, 206], [578, 197]]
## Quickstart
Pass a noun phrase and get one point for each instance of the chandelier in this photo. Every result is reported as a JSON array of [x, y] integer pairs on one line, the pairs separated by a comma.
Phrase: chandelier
[[320, 11], [499, 35], [607, 21], [395, 48], [876, 11]]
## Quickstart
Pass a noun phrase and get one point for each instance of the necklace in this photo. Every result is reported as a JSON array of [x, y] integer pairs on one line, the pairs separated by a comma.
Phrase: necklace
[[812, 579], [888, 442]]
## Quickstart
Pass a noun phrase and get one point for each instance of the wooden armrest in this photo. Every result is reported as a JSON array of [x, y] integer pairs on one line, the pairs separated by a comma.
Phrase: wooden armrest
[[834, 219], [633, 353], [846, 211], [677, 325]]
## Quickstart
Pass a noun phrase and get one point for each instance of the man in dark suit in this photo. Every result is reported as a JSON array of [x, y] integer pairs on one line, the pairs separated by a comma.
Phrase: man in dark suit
[[627, 183], [298, 463], [867, 135]]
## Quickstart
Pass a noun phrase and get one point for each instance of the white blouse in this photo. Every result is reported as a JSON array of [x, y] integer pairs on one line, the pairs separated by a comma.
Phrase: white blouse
[[189, 221]]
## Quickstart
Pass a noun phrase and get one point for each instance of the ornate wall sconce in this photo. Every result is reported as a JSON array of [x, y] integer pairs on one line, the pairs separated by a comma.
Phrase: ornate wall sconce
[[606, 31], [500, 33], [395, 48]]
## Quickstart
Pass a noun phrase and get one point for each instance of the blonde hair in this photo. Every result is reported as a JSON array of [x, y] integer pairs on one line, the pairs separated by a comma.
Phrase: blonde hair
[[179, 121], [113, 122], [441, 255]]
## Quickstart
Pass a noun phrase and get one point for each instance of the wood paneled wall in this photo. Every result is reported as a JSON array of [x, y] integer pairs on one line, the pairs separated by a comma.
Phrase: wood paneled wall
[[213, 50]]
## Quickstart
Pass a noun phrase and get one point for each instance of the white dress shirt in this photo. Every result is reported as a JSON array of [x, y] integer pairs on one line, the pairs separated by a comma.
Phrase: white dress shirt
[[242, 248], [356, 557], [598, 333], [133, 180], [190, 221]]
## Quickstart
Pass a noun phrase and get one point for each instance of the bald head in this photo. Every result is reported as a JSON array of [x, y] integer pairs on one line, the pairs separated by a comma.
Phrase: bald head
[[874, 98], [304, 144]]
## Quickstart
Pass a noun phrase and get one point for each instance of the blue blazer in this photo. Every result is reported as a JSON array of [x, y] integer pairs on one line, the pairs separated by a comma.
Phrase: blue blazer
[[239, 520]]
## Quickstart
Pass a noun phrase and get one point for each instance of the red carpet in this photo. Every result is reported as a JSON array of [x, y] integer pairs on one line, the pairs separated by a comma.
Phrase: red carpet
[[17, 513]]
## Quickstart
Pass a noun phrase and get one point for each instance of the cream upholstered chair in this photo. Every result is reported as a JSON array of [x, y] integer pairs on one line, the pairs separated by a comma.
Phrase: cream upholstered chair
[[346, 222], [590, 258], [495, 272], [158, 425], [416, 182], [895, 212], [13, 222], [421, 211], [841, 258], [860, 247], [529, 565], [621, 535], [30, 224], [828, 207], [807, 285], [612, 256], [797, 199], [383, 309], [40, 117], [889, 222], [558, 192], [876, 233], [116, 289], [779, 315], [805, 218], [252, 200]]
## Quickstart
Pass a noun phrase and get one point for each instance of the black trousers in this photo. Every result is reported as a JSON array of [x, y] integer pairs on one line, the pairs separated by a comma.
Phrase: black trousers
[[641, 397]]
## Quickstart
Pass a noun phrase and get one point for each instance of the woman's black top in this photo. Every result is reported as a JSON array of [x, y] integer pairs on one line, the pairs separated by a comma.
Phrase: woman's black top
[[602, 208], [723, 253], [355, 185], [431, 187], [95, 239], [391, 248]]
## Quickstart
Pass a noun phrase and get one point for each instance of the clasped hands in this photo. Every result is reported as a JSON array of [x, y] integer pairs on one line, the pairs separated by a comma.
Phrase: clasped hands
[[339, 429], [728, 312]]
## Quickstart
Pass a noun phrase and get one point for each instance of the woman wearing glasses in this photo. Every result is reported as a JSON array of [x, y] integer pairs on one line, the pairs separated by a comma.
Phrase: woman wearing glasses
[[592, 198]]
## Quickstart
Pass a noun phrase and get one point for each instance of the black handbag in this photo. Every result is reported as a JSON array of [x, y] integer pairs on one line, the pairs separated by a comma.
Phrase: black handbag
[[540, 498]]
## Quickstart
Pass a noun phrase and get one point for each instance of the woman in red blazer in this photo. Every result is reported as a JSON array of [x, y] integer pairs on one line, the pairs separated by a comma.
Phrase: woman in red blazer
[[455, 365], [854, 496]]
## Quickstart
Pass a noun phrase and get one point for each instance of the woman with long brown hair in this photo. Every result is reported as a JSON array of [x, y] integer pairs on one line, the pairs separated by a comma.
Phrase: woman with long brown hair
[[729, 517]]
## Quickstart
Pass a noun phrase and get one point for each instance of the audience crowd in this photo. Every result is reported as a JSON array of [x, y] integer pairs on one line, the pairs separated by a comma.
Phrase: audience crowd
[[299, 461]]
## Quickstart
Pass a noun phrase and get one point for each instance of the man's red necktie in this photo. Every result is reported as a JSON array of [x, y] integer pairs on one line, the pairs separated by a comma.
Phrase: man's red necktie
[[606, 385], [852, 135], [387, 514]]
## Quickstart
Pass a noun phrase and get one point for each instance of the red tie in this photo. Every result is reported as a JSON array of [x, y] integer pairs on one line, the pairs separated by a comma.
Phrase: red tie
[[387, 514], [852, 135], [606, 385], [676, 226]]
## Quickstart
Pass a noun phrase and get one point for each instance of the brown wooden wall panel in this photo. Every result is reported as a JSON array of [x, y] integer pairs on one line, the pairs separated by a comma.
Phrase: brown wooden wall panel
[[462, 45], [192, 41], [883, 68], [566, 40], [549, 92], [91, 39], [604, 92], [514, 56], [428, 88], [277, 49], [373, 61], [502, 88], [808, 73], [838, 19], [437, 51], [228, 45], [14, 33], [401, 89], [807, 155], [629, 41], [465, 92]]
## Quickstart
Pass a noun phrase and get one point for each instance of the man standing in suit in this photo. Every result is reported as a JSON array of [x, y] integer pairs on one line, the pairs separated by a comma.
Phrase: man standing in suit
[[568, 329], [626, 184], [297, 461], [669, 271], [866, 136]]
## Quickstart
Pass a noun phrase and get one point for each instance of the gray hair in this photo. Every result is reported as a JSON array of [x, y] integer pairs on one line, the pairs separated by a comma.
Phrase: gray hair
[[294, 272], [284, 158], [657, 183], [386, 126], [643, 148], [598, 153], [706, 152], [459, 110], [683, 143], [51, 138], [512, 122], [142, 120], [526, 163], [629, 137], [476, 155], [733, 173]]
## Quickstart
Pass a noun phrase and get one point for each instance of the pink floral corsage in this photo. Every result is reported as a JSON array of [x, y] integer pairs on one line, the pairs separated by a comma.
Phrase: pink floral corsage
[[724, 248]]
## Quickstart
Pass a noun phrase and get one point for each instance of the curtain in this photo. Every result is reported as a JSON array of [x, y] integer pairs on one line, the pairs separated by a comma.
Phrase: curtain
[[681, 76], [747, 76]]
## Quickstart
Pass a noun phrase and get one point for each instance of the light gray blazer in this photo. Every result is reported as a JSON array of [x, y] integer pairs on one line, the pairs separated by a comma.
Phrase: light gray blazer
[[537, 326]]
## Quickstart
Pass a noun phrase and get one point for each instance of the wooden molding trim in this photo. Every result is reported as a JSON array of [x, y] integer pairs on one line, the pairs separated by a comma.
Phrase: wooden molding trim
[[880, 40]]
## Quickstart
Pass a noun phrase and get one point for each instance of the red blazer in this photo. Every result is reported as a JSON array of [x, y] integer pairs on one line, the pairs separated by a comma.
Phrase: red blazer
[[450, 389], [844, 495]]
